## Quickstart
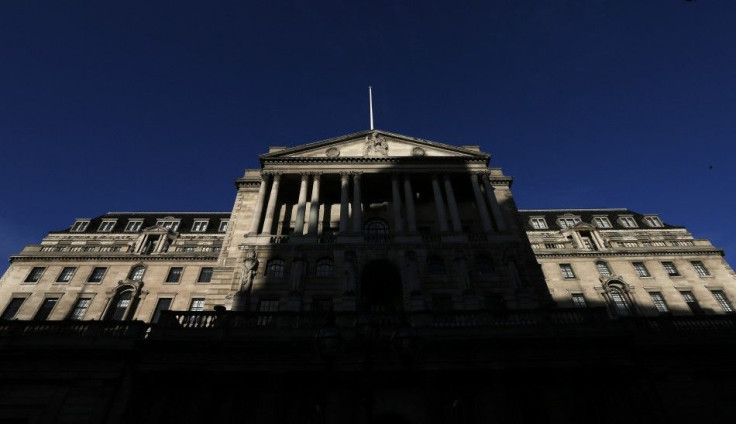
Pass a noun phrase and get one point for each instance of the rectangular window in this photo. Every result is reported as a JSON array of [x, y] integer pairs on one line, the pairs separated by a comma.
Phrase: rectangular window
[[601, 222], [266, 308], [603, 269], [66, 274], [223, 226], [692, 302], [97, 274], [700, 268], [80, 226], [567, 271], [45, 310], [174, 274], [579, 300], [659, 303], [169, 224], [641, 269], [568, 222], [197, 304], [133, 226], [671, 269], [653, 221], [13, 307], [163, 304], [35, 274], [722, 300], [106, 226], [627, 221], [199, 226], [205, 275], [80, 308], [538, 223]]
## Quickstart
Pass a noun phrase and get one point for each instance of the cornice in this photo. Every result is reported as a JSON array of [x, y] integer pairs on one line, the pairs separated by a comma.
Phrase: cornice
[[599, 253], [111, 258]]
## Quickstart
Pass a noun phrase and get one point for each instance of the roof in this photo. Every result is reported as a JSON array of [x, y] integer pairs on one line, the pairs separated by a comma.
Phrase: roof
[[186, 220], [587, 215]]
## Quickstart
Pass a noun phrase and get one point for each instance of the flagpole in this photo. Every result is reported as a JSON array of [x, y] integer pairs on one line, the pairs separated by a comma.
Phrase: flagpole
[[370, 101]]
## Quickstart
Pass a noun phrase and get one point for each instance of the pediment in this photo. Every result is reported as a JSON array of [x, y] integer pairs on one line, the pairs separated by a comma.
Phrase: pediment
[[374, 144]]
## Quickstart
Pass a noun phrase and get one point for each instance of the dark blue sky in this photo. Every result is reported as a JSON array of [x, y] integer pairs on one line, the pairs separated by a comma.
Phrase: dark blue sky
[[159, 106]]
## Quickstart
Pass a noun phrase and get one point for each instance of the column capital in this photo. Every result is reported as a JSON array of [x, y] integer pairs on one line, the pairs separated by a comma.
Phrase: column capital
[[271, 173], [344, 175], [356, 174]]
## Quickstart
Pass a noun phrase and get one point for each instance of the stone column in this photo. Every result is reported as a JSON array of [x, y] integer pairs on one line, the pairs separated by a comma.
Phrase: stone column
[[344, 181], [357, 211], [259, 205], [409, 199], [481, 204], [398, 224], [495, 209], [271, 208], [454, 213], [439, 203], [314, 206], [301, 206]]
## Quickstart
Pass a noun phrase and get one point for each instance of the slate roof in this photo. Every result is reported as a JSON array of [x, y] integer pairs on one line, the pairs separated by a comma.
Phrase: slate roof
[[586, 215], [186, 220]]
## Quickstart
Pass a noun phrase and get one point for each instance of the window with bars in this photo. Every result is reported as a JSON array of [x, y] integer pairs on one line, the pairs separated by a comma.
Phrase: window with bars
[[671, 269], [80, 308], [722, 300], [97, 274], [641, 269], [66, 274], [700, 268], [174, 274], [275, 268], [691, 302], [35, 274], [13, 307], [603, 269], [325, 268], [620, 304], [538, 223], [205, 275], [578, 300], [659, 302], [566, 270]]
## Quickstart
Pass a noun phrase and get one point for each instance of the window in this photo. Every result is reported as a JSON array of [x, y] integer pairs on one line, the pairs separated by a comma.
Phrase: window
[[671, 269], [601, 222], [483, 265], [627, 221], [199, 226], [700, 268], [197, 304], [659, 303], [133, 226], [106, 226], [567, 271], [13, 307], [722, 300], [325, 268], [205, 275], [538, 223], [97, 274], [223, 226], [579, 300], [66, 274], [587, 243], [163, 304], [121, 306], [80, 308], [620, 305], [79, 226], [568, 222], [136, 274], [174, 274], [641, 269], [692, 302], [652, 221], [376, 227], [266, 307], [275, 268], [603, 269], [45, 310], [169, 224], [435, 265], [35, 274]]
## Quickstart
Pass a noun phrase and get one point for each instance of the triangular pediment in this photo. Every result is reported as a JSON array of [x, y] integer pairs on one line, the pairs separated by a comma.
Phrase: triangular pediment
[[375, 144]]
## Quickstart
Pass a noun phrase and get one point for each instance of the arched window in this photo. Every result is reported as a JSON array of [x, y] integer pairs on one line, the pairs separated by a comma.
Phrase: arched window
[[376, 227], [325, 268], [620, 302], [483, 265], [275, 268], [136, 273], [435, 265], [603, 269], [122, 303]]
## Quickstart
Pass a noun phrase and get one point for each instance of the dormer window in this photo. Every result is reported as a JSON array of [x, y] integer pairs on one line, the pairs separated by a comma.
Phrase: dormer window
[[653, 221], [80, 226], [538, 223], [223, 225], [169, 224], [627, 221], [567, 222], [133, 226], [601, 222], [199, 226], [106, 226]]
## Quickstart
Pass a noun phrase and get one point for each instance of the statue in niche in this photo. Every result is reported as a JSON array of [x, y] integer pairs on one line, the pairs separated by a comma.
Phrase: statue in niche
[[375, 145], [297, 274], [461, 273], [351, 273], [251, 263]]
